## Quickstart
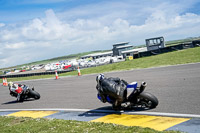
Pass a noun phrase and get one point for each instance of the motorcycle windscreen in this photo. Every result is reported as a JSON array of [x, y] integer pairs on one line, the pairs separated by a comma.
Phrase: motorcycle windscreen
[[19, 90]]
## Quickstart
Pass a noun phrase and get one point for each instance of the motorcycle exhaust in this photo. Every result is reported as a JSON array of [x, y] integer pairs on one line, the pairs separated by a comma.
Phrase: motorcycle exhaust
[[143, 86]]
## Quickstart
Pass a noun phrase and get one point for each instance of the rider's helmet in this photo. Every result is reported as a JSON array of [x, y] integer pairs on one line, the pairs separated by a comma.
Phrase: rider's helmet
[[10, 84], [99, 77]]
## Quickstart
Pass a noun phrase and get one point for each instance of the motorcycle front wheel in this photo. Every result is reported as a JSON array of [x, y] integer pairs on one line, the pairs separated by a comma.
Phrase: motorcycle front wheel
[[34, 94], [147, 100]]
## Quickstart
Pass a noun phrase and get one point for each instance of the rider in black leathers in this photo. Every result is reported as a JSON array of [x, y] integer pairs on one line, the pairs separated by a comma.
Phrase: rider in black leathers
[[113, 87]]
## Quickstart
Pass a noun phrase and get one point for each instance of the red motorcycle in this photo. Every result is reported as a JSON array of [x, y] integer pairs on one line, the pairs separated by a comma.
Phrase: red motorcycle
[[23, 92]]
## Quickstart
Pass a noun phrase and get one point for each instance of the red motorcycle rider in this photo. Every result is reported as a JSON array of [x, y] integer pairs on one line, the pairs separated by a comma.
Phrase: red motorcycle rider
[[15, 89]]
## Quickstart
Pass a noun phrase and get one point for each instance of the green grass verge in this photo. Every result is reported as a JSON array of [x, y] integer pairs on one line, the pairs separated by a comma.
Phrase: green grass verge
[[185, 56], [41, 125]]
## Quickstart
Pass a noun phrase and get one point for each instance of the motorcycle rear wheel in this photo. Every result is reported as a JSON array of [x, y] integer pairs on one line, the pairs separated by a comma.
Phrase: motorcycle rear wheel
[[148, 100], [34, 94]]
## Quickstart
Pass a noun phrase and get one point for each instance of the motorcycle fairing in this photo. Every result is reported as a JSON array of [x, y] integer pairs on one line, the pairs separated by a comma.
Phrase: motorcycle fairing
[[132, 85], [19, 90], [130, 88]]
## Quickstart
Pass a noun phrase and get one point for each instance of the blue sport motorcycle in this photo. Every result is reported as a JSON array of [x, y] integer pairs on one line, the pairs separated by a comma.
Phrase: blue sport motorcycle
[[135, 97]]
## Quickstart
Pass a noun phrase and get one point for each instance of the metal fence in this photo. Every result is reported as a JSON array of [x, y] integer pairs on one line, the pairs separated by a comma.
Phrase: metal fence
[[36, 73], [167, 49]]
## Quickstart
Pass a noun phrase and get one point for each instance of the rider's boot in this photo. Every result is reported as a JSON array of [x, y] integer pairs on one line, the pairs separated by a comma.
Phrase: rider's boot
[[116, 105], [18, 97]]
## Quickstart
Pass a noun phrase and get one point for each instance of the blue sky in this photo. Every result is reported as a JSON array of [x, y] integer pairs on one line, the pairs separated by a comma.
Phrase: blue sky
[[32, 30]]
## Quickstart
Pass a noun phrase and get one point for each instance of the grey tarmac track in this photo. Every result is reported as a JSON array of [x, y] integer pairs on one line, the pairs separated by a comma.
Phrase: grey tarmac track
[[176, 87]]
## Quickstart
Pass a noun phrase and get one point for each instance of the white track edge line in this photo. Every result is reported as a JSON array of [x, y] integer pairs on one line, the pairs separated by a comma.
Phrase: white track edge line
[[166, 114], [109, 111]]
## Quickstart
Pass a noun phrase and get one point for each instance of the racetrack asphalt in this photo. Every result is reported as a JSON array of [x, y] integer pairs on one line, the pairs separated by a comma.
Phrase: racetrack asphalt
[[176, 87]]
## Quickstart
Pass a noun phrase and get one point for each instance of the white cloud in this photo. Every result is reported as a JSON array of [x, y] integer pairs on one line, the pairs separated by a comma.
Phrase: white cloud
[[2, 25], [15, 45], [95, 27], [48, 28]]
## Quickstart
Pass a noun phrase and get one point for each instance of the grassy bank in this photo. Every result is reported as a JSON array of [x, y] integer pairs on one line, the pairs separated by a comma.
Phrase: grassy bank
[[29, 125], [185, 56]]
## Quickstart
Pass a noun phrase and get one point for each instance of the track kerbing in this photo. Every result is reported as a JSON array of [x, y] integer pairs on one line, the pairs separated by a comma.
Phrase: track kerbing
[[159, 123]]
